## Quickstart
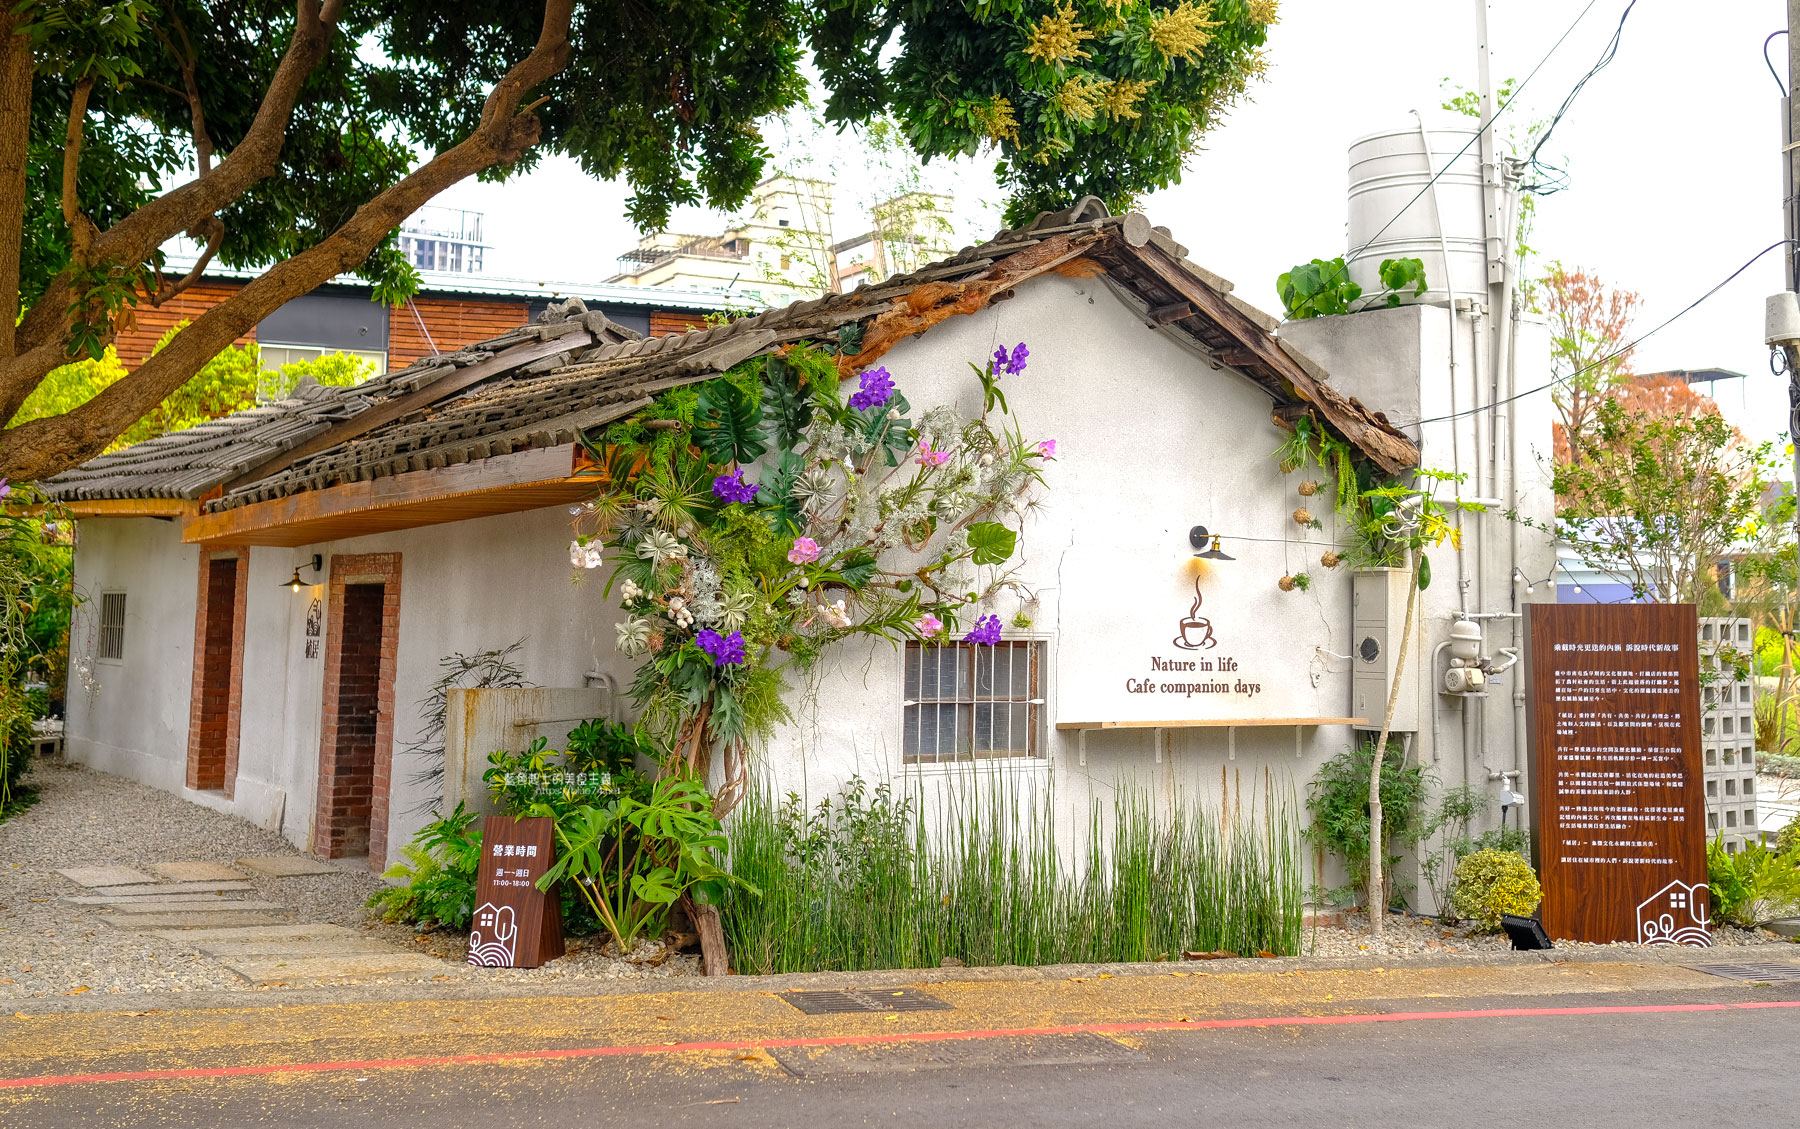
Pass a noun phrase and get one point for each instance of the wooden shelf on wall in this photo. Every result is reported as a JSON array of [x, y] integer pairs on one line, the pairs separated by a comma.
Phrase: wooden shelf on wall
[[1229, 724], [1213, 723]]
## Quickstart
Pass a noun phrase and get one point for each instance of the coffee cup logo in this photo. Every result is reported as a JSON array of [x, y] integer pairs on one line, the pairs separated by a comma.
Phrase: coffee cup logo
[[1196, 633]]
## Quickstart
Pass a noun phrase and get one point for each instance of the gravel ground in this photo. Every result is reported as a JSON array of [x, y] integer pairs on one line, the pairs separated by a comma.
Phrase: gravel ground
[[87, 818], [1404, 934]]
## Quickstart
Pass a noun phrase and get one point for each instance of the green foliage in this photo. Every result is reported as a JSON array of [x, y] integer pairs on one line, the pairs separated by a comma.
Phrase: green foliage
[[1323, 288], [1754, 886], [443, 863], [992, 542], [495, 669], [1493, 882], [1787, 840], [1656, 498], [632, 859], [1338, 797], [728, 424], [863, 881]]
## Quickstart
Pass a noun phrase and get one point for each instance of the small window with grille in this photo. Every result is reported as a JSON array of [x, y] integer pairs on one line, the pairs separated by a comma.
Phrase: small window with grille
[[112, 626], [966, 702]]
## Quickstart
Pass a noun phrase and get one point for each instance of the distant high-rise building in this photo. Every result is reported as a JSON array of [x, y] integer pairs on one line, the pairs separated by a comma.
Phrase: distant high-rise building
[[785, 250], [443, 239]]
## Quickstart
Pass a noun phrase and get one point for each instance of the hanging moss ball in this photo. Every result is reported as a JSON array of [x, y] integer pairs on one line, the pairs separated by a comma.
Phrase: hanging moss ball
[[1302, 516], [1308, 489], [1330, 559], [1286, 584]]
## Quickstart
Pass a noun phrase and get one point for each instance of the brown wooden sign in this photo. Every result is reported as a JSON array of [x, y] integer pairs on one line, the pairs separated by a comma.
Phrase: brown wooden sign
[[1620, 825], [516, 925]]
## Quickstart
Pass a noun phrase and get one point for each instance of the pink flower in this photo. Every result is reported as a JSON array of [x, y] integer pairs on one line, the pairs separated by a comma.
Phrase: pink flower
[[929, 457], [1047, 448], [929, 625], [805, 551]]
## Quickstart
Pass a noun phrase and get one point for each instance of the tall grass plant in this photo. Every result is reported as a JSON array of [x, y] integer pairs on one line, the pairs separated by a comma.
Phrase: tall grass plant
[[871, 880]]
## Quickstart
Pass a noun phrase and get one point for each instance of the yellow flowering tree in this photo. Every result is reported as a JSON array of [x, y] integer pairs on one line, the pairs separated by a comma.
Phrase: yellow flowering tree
[[1105, 97]]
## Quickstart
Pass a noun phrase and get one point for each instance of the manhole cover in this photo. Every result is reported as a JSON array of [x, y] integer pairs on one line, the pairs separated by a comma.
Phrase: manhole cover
[[838, 1000], [1751, 971], [1075, 1049]]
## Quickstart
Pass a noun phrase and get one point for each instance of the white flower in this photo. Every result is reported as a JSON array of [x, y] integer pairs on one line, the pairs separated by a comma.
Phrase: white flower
[[676, 603], [630, 591], [577, 554], [593, 559], [835, 614]]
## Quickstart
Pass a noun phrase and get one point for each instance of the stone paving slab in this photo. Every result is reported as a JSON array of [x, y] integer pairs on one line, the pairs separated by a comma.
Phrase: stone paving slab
[[286, 866], [156, 889], [196, 871], [296, 931], [229, 952], [196, 921], [199, 903], [94, 876], [270, 970]]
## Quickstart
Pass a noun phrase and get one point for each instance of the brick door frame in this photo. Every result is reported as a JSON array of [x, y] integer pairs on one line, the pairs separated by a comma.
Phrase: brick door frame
[[359, 568], [235, 691]]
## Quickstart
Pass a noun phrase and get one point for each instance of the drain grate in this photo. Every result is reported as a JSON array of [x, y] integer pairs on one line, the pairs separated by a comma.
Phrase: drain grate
[[1751, 971], [836, 1001]]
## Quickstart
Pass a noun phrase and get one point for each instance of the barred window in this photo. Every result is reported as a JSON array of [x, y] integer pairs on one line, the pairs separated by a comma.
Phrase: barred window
[[967, 702], [112, 625]]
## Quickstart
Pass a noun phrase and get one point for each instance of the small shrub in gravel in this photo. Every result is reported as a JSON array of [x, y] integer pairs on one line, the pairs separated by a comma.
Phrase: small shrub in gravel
[[1490, 883]]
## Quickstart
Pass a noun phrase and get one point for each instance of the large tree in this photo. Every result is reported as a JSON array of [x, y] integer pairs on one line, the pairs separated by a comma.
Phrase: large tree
[[296, 136]]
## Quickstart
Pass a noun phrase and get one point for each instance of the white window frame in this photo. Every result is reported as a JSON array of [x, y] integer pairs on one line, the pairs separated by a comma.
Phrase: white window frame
[[314, 352], [1037, 712], [100, 633]]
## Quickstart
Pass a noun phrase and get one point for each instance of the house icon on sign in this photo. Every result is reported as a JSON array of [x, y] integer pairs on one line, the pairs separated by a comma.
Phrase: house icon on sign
[[1675, 915]]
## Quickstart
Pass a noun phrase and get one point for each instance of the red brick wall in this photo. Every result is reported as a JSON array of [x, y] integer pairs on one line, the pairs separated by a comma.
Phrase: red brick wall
[[216, 703], [153, 321], [452, 322], [356, 743]]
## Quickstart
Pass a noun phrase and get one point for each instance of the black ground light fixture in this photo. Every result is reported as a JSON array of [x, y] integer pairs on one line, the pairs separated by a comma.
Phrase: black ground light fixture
[[317, 564], [1525, 933], [1200, 539]]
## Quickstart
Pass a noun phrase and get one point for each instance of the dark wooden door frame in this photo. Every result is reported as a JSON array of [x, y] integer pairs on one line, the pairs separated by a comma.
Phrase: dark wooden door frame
[[362, 568], [200, 774]]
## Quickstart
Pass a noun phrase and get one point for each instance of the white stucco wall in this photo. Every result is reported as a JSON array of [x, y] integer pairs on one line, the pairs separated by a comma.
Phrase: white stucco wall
[[1151, 441]]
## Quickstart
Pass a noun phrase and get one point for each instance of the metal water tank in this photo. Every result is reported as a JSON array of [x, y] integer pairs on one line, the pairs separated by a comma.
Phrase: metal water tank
[[1390, 168]]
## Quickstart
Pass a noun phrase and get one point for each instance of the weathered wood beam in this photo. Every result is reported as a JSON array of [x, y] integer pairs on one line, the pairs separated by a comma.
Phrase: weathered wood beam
[[1391, 452]]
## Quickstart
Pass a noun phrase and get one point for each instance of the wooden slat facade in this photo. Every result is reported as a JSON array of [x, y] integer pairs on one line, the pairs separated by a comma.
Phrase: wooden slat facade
[[135, 344], [665, 322], [453, 323]]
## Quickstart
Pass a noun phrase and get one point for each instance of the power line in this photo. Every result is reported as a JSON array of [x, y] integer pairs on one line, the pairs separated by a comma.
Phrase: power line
[[1487, 125], [1623, 349], [1771, 66], [1558, 179]]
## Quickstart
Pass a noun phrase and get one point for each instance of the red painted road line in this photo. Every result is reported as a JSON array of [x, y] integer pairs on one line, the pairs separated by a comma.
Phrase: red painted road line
[[867, 1040]]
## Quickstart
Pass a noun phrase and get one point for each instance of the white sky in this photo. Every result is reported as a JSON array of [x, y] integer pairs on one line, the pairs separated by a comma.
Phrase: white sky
[[1672, 151]]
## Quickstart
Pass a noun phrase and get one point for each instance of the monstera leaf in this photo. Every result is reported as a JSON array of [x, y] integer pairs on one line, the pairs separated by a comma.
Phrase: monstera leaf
[[992, 542], [787, 410], [728, 423]]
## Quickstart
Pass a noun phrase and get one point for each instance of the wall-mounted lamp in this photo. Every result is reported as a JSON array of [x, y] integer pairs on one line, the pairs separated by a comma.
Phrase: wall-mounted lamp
[[1206, 545], [317, 564]]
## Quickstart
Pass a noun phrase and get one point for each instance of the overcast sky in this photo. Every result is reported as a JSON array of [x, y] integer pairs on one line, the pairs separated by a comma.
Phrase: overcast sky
[[1672, 153]]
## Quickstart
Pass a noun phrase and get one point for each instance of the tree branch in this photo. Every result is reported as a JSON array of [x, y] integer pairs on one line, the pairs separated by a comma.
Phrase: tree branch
[[81, 229], [15, 142], [43, 447], [214, 232], [133, 239]]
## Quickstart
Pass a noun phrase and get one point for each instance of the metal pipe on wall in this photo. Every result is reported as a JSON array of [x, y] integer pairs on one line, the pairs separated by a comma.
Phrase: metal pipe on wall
[[1462, 572]]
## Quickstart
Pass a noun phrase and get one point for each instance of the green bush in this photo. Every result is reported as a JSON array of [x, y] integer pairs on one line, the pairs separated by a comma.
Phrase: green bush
[[1339, 799], [442, 864], [1492, 882], [1754, 886], [1787, 840]]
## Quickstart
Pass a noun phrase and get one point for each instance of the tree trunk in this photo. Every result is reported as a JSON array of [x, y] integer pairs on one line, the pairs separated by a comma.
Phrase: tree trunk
[[712, 940], [15, 139], [1378, 841]]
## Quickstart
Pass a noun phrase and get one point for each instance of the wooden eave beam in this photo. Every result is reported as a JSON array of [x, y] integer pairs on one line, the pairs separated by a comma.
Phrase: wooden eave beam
[[111, 507], [1391, 452], [522, 480]]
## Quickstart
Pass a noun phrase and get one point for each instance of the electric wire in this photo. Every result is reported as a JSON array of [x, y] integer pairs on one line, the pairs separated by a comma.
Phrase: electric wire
[[1475, 137], [1621, 350], [1782, 85], [1557, 179]]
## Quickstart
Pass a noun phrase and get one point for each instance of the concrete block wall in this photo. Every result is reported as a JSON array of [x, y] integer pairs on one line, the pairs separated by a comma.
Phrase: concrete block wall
[[1728, 730]]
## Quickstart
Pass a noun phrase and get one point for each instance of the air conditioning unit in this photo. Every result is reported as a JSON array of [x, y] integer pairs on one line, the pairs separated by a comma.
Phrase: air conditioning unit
[[1377, 623]]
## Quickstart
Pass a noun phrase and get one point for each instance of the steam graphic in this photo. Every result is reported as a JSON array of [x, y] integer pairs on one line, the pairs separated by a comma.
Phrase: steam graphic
[[1196, 632]]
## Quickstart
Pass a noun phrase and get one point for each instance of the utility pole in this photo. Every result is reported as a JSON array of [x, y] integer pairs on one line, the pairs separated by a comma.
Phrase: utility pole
[[1790, 209]]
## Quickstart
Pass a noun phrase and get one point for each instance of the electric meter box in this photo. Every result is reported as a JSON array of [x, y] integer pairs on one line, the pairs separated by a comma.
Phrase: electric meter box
[[1377, 623]]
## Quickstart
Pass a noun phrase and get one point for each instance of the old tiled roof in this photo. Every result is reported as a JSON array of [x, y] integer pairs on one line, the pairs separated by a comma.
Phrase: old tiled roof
[[573, 370]]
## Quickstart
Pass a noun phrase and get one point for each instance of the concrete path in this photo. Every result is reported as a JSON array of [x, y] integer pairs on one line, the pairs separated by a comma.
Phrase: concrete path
[[1593, 1044]]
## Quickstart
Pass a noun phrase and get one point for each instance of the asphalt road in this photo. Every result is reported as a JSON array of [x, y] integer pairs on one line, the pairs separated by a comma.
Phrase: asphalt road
[[1454, 1062]]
